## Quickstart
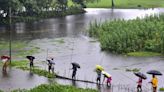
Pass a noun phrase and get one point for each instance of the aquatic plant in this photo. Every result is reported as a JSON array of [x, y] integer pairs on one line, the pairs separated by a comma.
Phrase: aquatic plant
[[124, 36], [54, 87], [161, 89]]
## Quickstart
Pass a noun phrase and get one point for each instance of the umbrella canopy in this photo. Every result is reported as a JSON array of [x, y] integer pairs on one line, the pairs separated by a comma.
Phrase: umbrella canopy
[[154, 72], [30, 57], [99, 67], [5, 57], [106, 74], [75, 64], [141, 75]]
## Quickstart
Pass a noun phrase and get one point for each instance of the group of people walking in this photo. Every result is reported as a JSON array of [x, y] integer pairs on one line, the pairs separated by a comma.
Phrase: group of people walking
[[154, 82], [99, 70]]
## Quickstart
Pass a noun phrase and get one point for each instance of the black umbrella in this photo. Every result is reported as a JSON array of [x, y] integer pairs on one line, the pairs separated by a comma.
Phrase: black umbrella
[[141, 75], [154, 72], [75, 64], [30, 57]]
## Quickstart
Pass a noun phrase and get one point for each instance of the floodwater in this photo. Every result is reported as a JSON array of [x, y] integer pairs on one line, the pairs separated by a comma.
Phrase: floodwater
[[66, 40]]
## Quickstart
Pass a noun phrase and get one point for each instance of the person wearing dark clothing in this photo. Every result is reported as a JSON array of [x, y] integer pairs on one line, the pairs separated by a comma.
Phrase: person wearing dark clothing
[[98, 76], [50, 65], [139, 86], [74, 72], [31, 59]]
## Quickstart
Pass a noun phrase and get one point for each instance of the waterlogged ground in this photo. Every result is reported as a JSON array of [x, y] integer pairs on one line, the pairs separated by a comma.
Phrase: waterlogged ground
[[66, 41]]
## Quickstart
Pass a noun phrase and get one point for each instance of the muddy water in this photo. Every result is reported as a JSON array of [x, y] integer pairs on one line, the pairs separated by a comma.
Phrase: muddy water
[[66, 40]]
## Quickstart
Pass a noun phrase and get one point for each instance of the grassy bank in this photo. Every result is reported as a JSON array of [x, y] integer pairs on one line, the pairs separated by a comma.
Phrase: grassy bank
[[139, 35], [23, 65], [127, 4], [56, 88], [144, 54]]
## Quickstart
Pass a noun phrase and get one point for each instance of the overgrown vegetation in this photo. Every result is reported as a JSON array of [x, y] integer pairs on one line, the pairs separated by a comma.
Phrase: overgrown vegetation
[[56, 88], [124, 36]]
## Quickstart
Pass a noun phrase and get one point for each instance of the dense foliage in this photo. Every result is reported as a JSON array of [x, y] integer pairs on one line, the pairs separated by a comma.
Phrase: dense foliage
[[123, 36], [27, 10], [56, 88]]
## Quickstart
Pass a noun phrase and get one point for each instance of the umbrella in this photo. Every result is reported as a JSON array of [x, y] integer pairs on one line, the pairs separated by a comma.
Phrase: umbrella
[[30, 57], [99, 67], [141, 75], [154, 72], [5, 57], [106, 74], [75, 64]]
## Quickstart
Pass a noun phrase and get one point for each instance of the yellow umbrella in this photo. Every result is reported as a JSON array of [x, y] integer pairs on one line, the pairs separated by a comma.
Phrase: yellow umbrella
[[106, 74], [99, 67]]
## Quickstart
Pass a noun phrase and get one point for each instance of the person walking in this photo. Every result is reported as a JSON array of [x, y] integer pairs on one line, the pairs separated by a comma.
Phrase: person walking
[[31, 59], [5, 60], [98, 80], [50, 65], [154, 83], [74, 68], [139, 86], [108, 78]]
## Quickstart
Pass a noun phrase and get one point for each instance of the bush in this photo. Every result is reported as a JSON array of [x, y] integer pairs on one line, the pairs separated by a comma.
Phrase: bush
[[122, 36]]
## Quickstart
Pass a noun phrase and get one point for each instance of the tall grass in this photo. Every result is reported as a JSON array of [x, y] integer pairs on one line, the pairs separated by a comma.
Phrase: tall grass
[[122, 36]]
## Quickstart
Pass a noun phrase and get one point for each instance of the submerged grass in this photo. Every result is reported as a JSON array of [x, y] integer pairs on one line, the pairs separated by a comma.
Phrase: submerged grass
[[132, 70], [18, 48], [23, 65], [54, 87], [144, 54]]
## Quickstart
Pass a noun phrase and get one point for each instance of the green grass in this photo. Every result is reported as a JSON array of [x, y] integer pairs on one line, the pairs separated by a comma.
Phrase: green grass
[[144, 54], [54, 87], [24, 66], [161, 89], [127, 4]]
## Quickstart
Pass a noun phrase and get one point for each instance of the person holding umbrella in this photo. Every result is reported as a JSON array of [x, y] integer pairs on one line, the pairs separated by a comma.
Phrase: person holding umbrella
[[50, 65], [31, 59], [99, 70], [154, 83], [139, 82], [154, 80], [109, 78], [5, 59], [74, 68]]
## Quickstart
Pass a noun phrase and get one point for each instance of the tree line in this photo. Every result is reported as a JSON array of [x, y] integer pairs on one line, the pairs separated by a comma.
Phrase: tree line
[[34, 7]]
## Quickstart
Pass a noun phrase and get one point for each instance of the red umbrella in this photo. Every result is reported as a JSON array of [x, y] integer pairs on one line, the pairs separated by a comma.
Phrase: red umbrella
[[5, 57]]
